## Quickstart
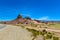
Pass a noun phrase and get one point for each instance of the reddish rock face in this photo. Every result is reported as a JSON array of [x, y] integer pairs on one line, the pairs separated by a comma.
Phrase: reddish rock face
[[18, 20]]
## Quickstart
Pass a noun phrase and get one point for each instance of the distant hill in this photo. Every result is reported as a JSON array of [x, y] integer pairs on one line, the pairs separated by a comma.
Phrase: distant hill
[[26, 20]]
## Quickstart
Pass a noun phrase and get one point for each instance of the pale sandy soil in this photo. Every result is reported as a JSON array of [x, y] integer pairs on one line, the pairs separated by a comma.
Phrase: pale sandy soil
[[9, 32], [39, 37]]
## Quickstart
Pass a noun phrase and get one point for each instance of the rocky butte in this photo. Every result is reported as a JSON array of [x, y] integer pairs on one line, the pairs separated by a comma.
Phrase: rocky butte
[[21, 20]]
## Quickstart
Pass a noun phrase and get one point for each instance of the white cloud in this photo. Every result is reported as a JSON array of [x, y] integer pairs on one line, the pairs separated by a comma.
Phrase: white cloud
[[47, 18], [43, 18]]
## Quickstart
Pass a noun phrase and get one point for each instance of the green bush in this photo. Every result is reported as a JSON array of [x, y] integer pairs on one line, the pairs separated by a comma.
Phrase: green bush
[[44, 31], [34, 32], [48, 36], [55, 38]]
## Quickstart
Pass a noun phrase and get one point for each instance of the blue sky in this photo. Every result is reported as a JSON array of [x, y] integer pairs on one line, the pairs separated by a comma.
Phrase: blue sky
[[36, 9]]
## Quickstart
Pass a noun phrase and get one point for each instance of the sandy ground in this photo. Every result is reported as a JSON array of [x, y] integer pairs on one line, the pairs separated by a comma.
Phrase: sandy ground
[[9, 32]]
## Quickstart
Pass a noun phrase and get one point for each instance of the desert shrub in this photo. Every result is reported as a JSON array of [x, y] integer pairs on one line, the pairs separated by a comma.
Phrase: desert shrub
[[35, 33], [49, 35], [43, 32], [55, 38]]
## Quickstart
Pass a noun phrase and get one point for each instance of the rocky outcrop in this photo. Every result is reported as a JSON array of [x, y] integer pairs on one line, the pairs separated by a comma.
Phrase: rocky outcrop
[[19, 19]]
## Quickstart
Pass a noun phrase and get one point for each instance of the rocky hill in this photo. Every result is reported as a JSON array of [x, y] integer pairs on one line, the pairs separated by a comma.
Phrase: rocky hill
[[27, 20], [21, 20]]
